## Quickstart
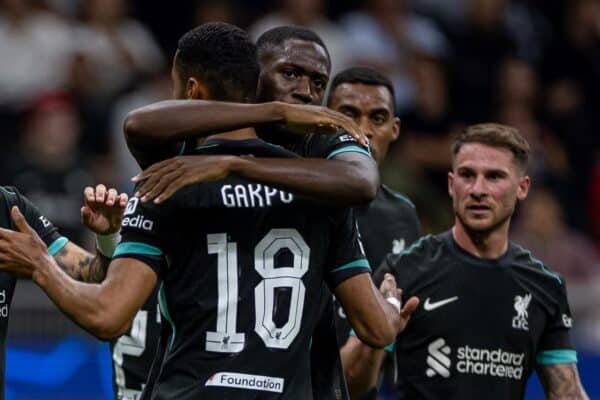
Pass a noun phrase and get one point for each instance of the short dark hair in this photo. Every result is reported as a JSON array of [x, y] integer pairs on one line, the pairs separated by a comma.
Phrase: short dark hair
[[276, 36], [224, 57], [364, 75], [495, 135]]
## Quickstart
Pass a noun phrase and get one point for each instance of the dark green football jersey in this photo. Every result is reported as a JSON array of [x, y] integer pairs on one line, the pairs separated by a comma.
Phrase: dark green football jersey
[[482, 325], [242, 267]]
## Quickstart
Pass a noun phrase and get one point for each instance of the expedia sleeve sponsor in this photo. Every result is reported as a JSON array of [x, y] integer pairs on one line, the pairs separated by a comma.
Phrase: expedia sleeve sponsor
[[141, 236]]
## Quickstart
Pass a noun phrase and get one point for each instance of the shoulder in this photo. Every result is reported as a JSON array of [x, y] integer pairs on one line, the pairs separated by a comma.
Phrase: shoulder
[[524, 262], [398, 198], [329, 146], [416, 254]]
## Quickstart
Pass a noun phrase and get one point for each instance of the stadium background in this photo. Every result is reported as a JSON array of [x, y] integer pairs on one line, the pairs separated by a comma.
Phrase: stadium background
[[71, 69]]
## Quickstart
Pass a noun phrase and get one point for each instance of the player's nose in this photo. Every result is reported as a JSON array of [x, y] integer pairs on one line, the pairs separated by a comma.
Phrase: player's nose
[[303, 92]]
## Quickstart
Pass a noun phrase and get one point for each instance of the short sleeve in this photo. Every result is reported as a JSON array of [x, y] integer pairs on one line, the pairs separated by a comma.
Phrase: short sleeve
[[142, 234], [555, 345], [346, 254], [329, 146], [42, 225]]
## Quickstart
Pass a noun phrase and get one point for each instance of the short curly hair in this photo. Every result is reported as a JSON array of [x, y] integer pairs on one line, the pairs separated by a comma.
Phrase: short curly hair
[[224, 57]]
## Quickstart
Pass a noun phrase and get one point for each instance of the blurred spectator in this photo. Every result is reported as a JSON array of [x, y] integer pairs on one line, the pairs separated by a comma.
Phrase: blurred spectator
[[114, 50], [571, 71], [518, 100], [480, 46], [123, 165], [386, 35], [47, 168], [309, 14], [214, 10], [420, 161], [35, 49], [594, 201]]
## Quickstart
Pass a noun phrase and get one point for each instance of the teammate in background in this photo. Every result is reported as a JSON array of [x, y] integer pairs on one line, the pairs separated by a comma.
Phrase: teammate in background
[[278, 228], [492, 312], [390, 222], [295, 70], [101, 213]]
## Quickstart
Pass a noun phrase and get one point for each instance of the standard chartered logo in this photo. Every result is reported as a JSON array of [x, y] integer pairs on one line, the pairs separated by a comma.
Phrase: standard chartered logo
[[473, 361], [437, 359]]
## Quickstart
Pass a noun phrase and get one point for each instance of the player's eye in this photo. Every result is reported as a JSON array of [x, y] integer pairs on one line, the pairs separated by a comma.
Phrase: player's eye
[[319, 83], [379, 118], [290, 73]]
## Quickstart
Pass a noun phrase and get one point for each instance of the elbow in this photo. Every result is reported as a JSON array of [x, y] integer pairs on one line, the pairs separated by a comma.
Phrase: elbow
[[379, 337], [106, 328], [132, 126]]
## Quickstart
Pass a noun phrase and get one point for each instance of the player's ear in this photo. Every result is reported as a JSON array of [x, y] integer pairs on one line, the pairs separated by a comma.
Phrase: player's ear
[[524, 185], [396, 128], [196, 90], [451, 184]]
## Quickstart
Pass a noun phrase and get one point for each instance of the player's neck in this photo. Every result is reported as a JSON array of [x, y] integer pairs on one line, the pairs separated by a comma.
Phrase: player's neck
[[239, 134], [487, 245]]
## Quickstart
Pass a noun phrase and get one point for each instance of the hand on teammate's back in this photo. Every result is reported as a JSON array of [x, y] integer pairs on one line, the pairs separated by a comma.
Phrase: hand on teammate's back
[[102, 211], [389, 289], [316, 119], [165, 178]]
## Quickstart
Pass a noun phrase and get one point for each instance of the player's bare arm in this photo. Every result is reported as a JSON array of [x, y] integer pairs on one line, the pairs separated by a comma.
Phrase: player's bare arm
[[172, 121], [361, 362], [375, 320], [561, 381], [105, 310], [348, 179], [102, 214]]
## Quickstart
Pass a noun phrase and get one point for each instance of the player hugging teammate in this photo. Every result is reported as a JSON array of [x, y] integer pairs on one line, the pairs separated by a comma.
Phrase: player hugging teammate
[[247, 219]]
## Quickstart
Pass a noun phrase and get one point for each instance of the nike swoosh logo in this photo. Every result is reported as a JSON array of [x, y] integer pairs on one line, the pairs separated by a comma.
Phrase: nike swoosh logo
[[428, 306]]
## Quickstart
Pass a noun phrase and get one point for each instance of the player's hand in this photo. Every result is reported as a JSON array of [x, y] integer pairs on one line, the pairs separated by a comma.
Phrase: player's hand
[[102, 211], [21, 251], [388, 288], [165, 178], [316, 119]]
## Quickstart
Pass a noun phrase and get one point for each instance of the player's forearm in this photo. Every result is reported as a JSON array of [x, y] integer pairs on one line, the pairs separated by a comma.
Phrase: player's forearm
[[87, 304], [81, 265], [361, 365], [330, 181], [561, 381], [375, 321], [176, 120]]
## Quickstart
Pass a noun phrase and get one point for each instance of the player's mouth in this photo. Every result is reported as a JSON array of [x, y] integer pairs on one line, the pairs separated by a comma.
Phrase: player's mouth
[[478, 208]]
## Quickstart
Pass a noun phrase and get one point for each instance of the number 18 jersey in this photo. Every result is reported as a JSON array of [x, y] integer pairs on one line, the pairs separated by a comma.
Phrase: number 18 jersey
[[242, 266]]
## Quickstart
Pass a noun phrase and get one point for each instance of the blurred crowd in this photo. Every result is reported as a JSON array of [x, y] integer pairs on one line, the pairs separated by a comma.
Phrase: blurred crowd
[[72, 69]]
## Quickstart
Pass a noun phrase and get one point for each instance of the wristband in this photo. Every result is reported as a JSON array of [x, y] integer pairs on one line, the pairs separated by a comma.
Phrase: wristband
[[106, 244], [395, 302]]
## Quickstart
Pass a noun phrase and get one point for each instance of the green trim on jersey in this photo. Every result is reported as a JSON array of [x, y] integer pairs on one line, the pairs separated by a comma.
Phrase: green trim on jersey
[[137, 248], [164, 308], [362, 263], [414, 245], [57, 245], [207, 146], [543, 266], [389, 348], [551, 357], [349, 149]]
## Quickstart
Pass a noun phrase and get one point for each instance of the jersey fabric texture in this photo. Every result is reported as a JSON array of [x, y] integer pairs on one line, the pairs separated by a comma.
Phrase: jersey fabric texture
[[133, 359], [242, 266], [9, 197], [482, 325]]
